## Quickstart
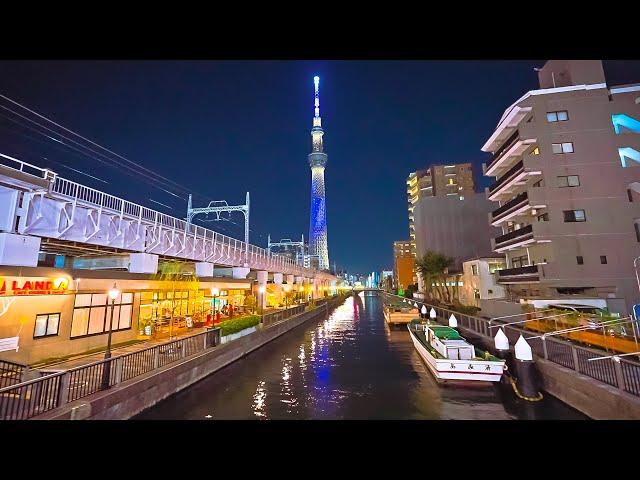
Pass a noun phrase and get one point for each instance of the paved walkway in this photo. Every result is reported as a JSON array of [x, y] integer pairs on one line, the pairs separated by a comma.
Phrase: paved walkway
[[80, 360]]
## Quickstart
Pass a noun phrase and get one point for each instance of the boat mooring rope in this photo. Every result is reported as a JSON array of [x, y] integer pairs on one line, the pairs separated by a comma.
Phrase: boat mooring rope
[[524, 397]]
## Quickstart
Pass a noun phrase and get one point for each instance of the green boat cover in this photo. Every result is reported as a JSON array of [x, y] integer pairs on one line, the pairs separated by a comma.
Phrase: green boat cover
[[446, 333]]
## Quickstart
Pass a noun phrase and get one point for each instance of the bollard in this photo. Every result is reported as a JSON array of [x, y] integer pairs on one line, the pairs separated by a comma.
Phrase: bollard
[[423, 312], [527, 379], [453, 321], [501, 343]]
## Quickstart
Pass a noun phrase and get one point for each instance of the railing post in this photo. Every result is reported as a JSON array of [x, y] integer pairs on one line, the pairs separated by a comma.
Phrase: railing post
[[544, 348], [118, 375], [156, 357], [576, 365], [63, 389], [619, 376], [206, 340], [183, 350]]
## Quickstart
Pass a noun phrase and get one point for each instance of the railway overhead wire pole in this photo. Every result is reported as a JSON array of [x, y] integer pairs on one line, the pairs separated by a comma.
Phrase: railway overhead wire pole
[[217, 207]]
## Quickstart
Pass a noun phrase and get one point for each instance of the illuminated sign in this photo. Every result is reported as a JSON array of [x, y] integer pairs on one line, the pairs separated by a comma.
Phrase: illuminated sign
[[33, 286]]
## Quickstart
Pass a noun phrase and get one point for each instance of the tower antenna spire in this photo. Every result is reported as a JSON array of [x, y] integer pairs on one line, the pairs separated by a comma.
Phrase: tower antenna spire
[[316, 84]]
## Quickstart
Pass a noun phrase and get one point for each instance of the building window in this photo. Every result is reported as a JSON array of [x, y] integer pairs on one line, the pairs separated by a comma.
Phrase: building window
[[538, 184], [560, 116], [476, 293], [603, 259], [637, 231], [489, 291], [569, 181], [92, 314], [629, 195], [474, 269], [521, 261], [580, 260], [544, 217], [46, 325], [574, 216], [560, 148], [535, 151]]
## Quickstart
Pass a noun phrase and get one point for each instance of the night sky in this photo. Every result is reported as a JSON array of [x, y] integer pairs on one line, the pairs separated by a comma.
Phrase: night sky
[[221, 128]]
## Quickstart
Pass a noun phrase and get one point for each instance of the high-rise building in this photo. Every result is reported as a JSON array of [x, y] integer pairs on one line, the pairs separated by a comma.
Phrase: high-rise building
[[566, 159], [403, 264], [317, 162], [437, 181]]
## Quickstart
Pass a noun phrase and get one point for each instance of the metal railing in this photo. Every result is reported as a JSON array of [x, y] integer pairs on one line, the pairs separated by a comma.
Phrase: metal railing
[[509, 174], [10, 373], [34, 397], [622, 374], [236, 251], [508, 143], [279, 315], [521, 232], [28, 399], [515, 201]]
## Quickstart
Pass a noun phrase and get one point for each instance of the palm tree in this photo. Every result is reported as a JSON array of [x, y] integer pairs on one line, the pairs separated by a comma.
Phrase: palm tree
[[433, 267]]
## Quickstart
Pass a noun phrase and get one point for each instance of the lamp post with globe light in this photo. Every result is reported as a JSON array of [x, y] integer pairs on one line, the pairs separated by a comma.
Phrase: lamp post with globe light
[[113, 293], [214, 293]]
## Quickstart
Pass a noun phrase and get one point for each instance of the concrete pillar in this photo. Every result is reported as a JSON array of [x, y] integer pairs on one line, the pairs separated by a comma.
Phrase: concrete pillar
[[240, 272], [290, 279], [263, 276], [277, 281], [204, 269], [19, 250], [143, 263]]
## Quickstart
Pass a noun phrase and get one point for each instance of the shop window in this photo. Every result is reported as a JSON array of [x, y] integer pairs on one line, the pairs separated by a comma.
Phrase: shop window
[[47, 325], [92, 314]]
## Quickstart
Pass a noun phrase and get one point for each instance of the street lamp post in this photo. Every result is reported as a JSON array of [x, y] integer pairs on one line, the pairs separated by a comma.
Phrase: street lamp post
[[214, 293], [106, 369]]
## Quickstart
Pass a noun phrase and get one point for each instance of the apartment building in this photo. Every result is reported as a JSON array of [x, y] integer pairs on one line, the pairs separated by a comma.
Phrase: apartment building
[[479, 280], [566, 159], [436, 181], [403, 264]]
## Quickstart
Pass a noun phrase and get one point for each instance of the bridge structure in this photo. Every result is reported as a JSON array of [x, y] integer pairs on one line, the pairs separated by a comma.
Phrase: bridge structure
[[41, 211]]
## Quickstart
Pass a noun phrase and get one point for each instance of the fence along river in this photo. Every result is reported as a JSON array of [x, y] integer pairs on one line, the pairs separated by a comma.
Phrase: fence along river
[[349, 365]]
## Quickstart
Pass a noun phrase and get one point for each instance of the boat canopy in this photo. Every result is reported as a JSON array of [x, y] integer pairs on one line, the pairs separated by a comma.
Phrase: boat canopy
[[446, 333]]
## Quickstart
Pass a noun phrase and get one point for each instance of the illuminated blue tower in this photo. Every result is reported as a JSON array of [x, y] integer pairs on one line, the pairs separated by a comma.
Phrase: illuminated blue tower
[[317, 162]]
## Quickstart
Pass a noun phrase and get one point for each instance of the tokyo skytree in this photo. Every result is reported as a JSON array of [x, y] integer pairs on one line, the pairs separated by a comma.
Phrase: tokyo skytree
[[317, 162]]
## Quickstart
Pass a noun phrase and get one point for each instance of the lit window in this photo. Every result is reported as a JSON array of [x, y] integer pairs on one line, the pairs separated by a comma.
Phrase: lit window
[[535, 151], [46, 325], [569, 181], [574, 216], [451, 181]]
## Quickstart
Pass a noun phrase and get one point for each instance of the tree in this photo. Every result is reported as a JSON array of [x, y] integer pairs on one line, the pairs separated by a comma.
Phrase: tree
[[433, 267]]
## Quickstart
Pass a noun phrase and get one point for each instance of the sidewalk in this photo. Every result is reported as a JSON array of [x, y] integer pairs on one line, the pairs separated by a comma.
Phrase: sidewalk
[[80, 360]]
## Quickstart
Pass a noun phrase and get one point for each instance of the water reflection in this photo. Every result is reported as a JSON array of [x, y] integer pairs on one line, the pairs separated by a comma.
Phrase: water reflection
[[349, 365]]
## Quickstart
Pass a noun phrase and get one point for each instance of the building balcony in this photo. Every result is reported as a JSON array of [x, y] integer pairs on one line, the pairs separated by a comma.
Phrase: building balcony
[[512, 240], [528, 274], [508, 123], [507, 154], [511, 180], [519, 205]]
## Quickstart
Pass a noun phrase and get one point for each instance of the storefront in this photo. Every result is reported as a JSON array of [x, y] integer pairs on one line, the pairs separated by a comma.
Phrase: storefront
[[48, 313]]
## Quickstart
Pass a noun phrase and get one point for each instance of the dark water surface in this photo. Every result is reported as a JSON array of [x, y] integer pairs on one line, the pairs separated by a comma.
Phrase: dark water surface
[[347, 366]]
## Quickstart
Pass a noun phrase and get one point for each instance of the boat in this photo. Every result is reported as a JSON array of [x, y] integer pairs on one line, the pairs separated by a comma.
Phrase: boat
[[399, 313], [450, 357]]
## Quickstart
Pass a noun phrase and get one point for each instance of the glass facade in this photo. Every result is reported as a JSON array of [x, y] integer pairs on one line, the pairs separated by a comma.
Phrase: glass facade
[[92, 314]]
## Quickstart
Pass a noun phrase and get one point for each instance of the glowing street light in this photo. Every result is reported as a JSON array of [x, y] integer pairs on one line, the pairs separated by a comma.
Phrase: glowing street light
[[113, 293]]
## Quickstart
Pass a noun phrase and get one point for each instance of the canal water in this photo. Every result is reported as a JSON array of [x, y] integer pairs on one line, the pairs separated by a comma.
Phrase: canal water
[[349, 365]]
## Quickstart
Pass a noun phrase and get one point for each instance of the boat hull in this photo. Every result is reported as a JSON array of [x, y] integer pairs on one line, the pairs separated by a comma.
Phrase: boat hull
[[467, 370]]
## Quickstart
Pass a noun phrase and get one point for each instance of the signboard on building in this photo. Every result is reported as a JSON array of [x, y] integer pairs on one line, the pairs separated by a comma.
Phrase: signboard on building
[[33, 285], [9, 343]]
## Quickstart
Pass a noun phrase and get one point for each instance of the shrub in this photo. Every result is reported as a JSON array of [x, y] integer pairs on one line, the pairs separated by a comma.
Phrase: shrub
[[234, 325], [467, 309]]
